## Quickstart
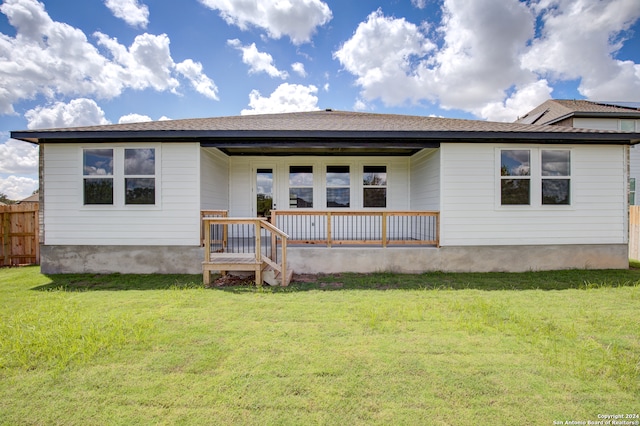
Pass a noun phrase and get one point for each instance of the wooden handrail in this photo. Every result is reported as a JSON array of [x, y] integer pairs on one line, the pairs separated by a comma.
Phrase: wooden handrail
[[274, 229], [259, 224], [382, 230]]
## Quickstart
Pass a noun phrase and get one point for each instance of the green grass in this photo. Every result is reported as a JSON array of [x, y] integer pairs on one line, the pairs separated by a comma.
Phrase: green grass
[[458, 349]]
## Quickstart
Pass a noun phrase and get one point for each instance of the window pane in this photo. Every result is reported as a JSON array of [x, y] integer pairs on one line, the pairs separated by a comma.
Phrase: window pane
[[264, 192], [555, 191], [556, 163], [140, 161], [338, 197], [98, 162], [300, 197], [374, 176], [301, 176], [515, 162], [140, 191], [338, 176], [375, 197], [515, 191], [627, 125], [98, 191]]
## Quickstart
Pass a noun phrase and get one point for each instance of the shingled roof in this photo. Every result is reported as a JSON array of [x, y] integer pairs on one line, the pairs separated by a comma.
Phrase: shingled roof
[[555, 110], [324, 129]]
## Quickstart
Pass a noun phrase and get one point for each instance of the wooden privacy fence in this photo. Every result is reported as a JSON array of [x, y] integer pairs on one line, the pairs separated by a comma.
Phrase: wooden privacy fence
[[634, 232], [19, 235]]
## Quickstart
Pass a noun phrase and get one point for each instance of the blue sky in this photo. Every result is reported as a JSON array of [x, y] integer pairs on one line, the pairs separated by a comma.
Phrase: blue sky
[[67, 63]]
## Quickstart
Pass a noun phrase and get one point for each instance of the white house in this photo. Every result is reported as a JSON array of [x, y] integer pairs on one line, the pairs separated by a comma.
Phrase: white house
[[352, 191], [615, 116]]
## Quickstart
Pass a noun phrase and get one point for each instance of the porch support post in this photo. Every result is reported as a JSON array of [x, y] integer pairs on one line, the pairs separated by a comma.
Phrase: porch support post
[[384, 229], [258, 252], [329, 229]]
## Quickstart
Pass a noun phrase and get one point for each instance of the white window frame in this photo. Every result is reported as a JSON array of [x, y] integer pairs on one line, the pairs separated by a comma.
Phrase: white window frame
[[313, 186], [536, 178], [349, 186], [119, 191], [385, 186]]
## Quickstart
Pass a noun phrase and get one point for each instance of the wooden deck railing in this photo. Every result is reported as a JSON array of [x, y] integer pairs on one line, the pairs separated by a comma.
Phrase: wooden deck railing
[[244, 244], [367, 227], [209, 213]]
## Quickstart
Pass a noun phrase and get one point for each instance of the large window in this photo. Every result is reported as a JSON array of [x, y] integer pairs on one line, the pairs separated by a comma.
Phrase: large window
[[338, 186], [374, 183], [515, 177], [139, 172], [535, 177], [119, 176], [97, 171], [556, 173], [300, 187]]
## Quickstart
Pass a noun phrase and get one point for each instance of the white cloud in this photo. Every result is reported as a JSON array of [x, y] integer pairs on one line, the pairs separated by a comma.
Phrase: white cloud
[[480, 62], [199, 80], [297, 20], [298, 68], [420, 4], [360, 105], [523, 100], [579, 41], [18, 187], [146, 63], [382, 54], [55, 59], [17, 157], [490, 61], [134, 118], [258, 61], [78, 112], [286, 98], [132, 12]]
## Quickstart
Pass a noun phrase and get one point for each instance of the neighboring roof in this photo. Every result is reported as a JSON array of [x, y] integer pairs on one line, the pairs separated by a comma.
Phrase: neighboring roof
[[555, 110], [321, 130], [33, 198]]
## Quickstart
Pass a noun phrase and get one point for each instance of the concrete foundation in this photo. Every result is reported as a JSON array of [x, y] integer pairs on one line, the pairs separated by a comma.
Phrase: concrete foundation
[[313, 260], [121, 259]]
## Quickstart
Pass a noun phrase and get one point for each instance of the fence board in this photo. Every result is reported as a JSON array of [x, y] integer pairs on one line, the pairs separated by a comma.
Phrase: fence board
[[634, 232], [19, 235]]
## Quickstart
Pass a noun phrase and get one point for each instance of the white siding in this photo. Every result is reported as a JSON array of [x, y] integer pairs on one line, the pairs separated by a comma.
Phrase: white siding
[[471, 213], [615, 124], [214, 166], [241, 197], [174, 220], [597, 123], [425, 180]]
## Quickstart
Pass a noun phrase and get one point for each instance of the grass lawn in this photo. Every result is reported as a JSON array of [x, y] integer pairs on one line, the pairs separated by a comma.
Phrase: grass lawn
[[449, 349]]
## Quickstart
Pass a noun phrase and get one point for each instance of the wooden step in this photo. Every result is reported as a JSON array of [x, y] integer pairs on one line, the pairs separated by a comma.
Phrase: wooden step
[[274, 278]]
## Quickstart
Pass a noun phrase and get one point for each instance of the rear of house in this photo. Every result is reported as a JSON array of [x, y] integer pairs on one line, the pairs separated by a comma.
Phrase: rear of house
[[356, 192]]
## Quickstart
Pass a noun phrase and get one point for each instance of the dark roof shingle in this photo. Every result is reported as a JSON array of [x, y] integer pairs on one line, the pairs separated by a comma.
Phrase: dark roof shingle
[[314, 124]]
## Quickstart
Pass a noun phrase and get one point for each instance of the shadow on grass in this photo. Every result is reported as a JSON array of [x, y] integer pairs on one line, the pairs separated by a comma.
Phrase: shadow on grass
[[491, 281], [120, 282]]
